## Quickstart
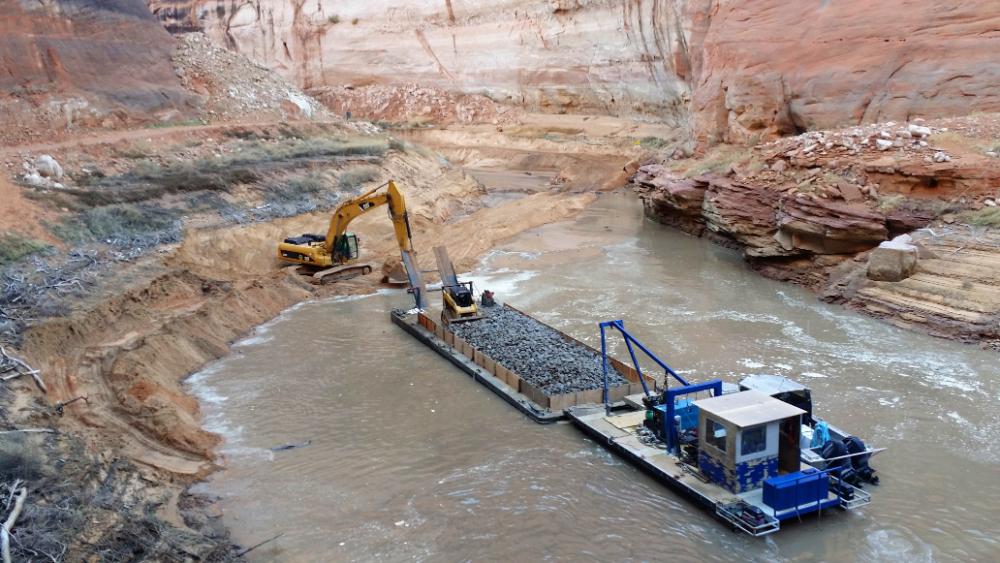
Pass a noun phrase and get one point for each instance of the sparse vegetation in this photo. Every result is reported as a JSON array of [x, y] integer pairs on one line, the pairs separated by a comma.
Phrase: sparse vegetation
[[718, 160], [888, 203], [985, 217], [14, 247], [397, 145], [180, 123], [355, 21], [121, 225], [356, 177], [655, 143], [334, 19]]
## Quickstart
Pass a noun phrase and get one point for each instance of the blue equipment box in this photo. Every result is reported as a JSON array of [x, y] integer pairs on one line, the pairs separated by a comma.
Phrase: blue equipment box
[[795, 489], [684, 409]]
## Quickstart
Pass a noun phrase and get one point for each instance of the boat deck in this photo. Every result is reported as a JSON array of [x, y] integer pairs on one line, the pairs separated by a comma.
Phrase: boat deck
[[617, 432]]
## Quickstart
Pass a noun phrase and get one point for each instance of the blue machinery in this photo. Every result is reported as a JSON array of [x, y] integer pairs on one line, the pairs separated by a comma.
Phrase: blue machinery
[[669, 395]]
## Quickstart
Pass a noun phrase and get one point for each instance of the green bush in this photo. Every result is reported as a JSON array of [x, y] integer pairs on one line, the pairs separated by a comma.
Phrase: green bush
[[14, 247]]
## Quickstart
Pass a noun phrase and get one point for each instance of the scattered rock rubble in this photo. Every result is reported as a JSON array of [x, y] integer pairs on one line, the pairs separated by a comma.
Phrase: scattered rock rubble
[[536, 353], [43, 172], [912, 137], [412, 102], [237, 88]]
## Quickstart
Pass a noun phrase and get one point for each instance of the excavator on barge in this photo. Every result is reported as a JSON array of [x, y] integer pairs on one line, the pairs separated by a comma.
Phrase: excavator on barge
[[334, 256]]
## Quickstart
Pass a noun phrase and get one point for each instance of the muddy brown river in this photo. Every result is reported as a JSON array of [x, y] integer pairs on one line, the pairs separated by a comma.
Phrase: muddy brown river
[[411, 460]]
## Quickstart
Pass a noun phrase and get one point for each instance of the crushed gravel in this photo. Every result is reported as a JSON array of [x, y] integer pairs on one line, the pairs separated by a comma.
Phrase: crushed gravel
[[536, 352]]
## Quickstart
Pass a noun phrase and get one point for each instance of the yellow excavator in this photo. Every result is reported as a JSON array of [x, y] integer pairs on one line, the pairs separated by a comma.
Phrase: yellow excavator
[[334, 257]]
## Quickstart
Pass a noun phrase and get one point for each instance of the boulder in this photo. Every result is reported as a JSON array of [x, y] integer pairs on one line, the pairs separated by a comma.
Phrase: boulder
[[893, 260], [48, 167]]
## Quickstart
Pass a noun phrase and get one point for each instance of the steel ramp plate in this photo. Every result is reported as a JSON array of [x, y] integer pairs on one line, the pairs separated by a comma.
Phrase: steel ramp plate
[[445, 268], [416, 279]]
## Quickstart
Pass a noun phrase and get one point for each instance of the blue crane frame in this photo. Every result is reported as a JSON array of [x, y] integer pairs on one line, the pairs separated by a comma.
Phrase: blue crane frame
[[669, 394]]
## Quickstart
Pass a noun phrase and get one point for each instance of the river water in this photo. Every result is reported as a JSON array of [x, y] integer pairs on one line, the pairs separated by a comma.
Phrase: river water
[[411, 460]]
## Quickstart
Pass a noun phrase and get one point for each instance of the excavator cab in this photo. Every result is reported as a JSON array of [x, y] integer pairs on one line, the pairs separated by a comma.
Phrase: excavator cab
[[346, 247]]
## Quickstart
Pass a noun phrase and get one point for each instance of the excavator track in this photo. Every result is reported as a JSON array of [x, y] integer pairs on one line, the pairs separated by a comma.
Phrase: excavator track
[[337, 273]]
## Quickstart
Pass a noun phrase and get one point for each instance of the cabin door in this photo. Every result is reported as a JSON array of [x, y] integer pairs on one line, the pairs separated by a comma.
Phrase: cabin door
[[788, 445]]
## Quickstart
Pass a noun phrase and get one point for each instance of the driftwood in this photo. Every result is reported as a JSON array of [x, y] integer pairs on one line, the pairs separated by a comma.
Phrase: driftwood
[[251, 548], [286, 447], [8, 525], [17, 365]]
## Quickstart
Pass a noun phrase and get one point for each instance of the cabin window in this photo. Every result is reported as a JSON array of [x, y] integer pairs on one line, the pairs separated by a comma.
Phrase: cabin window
[[715, 434], [753, 440]]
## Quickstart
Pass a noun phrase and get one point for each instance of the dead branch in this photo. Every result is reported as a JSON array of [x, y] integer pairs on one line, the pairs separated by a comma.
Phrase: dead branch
[[9, 524], [28, 370], [28, 430]]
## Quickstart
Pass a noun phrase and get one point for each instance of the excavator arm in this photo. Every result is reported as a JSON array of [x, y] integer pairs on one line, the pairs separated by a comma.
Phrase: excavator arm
[[364, 203]]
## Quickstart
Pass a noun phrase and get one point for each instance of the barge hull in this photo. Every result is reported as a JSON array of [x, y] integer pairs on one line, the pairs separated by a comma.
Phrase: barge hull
[[478, 373]]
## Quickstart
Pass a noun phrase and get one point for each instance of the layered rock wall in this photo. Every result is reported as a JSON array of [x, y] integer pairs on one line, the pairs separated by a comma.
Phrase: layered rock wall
[[744, 69], [625, 58]]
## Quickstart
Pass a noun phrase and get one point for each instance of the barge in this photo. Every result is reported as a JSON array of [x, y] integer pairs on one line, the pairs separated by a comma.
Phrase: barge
[[754, 455]]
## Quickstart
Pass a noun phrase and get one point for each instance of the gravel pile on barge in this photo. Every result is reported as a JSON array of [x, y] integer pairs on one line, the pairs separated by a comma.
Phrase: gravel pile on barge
[[537, 353]]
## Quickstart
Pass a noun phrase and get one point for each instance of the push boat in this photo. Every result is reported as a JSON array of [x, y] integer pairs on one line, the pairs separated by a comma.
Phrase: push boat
[[754, 454]]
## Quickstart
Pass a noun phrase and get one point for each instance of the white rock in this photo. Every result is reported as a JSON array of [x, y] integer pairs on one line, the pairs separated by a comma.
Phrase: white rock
[[883, 144], [884, 135], [919, 131], [990, 203], [34, 179], [923, 143], [991, 154], [48, 167], [941, 157]]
